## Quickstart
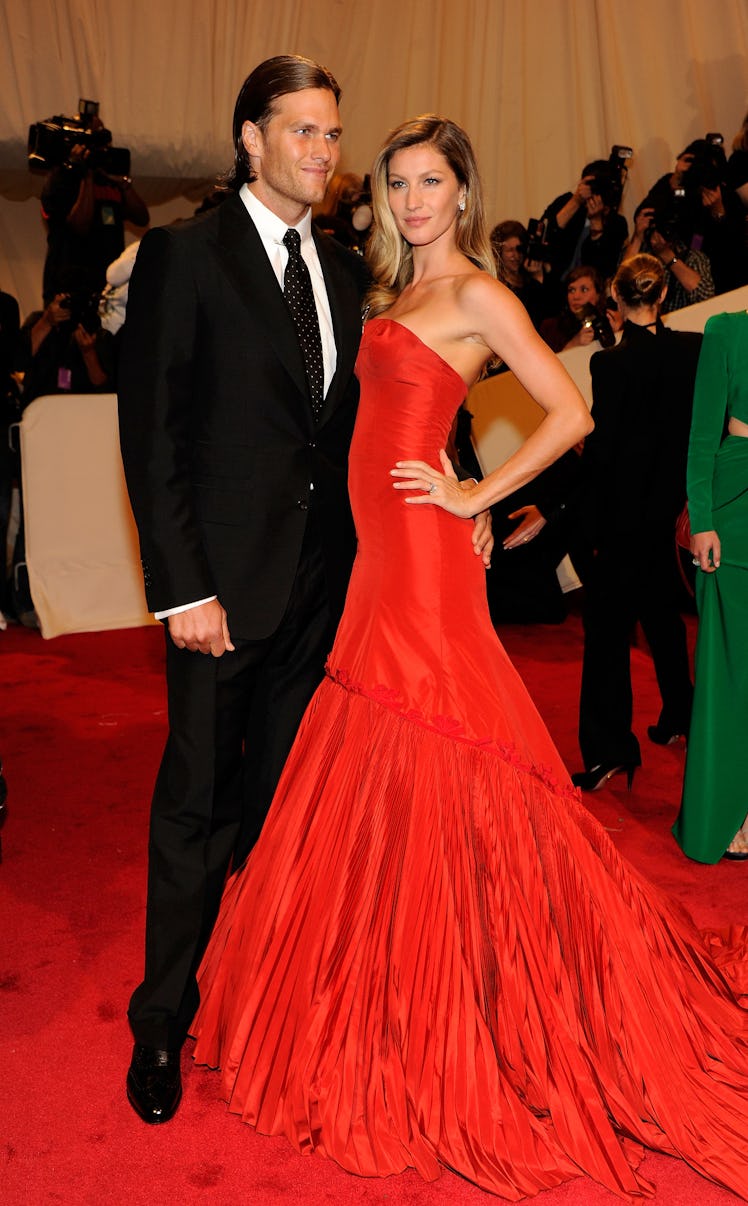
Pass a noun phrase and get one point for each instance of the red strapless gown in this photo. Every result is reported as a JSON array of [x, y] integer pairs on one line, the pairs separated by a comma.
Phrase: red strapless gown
[[435, 955]]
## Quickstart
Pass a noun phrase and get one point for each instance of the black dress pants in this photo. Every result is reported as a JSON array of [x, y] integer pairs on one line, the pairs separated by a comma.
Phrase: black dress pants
[[232, 721], [622, 587]]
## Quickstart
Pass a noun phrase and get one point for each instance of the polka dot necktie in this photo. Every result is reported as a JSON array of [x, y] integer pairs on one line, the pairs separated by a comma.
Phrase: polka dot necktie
[[298, 292]]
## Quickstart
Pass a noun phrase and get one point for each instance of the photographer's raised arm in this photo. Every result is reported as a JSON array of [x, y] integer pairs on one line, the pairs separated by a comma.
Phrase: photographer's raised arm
[[576, 201], [52, 316]]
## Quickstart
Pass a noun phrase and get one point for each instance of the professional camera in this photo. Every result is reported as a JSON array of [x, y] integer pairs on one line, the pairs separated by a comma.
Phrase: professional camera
[[672, 220], [538, 247], [51, 142], [599, 324], [84, 310], [607, 178], [708, 166]]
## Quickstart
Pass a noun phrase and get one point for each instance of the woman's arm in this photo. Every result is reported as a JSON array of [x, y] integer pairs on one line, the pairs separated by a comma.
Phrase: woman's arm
[[707, 425], [501, 322]]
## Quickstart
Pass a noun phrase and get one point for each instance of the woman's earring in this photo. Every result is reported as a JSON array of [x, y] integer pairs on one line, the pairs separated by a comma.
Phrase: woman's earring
[[461, 206]]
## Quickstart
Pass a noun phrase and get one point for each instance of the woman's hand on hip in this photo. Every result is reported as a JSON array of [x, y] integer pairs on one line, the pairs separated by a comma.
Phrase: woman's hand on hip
[[441, 489]]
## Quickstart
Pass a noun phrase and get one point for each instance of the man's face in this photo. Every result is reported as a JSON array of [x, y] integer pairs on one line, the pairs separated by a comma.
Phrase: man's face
[[296, 153]]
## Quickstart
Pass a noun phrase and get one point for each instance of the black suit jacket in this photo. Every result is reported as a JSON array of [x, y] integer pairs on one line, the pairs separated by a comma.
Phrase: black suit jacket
[[217, 434], [634, 462]]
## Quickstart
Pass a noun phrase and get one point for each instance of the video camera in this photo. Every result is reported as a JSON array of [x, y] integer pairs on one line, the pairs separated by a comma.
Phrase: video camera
[[51, 142]]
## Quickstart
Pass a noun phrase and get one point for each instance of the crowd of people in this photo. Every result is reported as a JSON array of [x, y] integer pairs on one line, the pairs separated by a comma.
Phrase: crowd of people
[[426, 953], [692, 219]]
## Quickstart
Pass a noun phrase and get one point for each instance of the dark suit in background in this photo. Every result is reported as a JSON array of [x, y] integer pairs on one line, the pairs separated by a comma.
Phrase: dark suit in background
[[634, 486], [220, 450]]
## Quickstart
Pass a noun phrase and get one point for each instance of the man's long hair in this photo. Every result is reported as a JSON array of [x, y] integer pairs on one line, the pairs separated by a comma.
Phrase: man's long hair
[[269, 81]]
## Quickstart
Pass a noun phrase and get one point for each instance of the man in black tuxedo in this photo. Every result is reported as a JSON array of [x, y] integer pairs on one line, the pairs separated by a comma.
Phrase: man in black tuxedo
[[236, 462]]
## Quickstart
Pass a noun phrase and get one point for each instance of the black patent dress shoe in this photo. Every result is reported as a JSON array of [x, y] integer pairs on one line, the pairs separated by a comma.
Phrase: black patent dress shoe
[[597, 776], [154, 1083]]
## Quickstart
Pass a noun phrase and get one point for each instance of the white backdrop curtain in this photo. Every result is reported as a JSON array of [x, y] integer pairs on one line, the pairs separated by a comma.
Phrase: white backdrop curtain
[[541, 85]]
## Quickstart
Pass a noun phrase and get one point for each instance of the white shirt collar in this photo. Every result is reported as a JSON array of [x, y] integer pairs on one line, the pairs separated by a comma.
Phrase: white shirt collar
[[270, 227]]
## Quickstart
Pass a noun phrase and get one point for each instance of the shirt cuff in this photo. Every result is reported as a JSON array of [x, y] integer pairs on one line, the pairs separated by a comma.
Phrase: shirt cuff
[[174, 611]]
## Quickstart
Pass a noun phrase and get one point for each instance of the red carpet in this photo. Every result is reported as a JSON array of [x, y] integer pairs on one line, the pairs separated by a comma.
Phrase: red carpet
[[81, 734]]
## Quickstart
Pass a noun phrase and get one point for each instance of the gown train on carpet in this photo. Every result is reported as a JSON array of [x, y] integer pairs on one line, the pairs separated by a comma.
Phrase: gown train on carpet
[[435, 956]]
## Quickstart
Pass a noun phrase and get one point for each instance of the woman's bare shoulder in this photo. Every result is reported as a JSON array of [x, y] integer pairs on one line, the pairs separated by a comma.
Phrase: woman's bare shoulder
[[478, 291]]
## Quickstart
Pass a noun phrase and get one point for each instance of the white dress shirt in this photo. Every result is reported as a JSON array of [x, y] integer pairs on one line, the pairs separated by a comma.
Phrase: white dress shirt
[[271, 230]]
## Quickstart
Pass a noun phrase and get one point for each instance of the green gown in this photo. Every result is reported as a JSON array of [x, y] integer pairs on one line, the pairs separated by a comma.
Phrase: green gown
[[715, 789]]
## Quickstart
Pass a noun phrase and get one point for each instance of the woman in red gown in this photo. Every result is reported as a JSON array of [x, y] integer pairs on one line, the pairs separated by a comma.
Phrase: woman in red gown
[[434, 956]]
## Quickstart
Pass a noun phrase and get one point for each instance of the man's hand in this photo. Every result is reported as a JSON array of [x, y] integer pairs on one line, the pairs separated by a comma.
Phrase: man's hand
[[661, 248], [583, 191], [58, 310], [483, 537], [643, 221], [86, 340], [595, 209], [531, 522], [201, 629], [79, 154], [711, 199]]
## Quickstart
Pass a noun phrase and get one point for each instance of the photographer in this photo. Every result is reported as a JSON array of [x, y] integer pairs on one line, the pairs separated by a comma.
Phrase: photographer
[[695, 202], [63, 348], [85, 205], [346, 212], [663, 232], [585, 316], [523, 276], [737, 164], [584, 226], [720, 222]]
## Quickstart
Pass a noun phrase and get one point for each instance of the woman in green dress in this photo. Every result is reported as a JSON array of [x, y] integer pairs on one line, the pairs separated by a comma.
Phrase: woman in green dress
[[712, 823]]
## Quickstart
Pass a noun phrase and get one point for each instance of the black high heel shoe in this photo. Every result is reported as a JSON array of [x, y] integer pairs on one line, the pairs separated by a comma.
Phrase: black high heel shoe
[[591, 780], [662, 735]]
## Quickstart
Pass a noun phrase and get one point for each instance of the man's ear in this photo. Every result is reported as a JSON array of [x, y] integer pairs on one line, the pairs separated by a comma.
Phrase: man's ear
[[252, 138]]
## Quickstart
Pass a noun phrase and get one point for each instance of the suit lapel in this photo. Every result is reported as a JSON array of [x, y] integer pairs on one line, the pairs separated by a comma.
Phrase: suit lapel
[[245, 263], [345, 310]]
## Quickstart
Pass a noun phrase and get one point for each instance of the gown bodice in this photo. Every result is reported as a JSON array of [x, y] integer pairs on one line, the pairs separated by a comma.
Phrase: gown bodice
[[416, 633]]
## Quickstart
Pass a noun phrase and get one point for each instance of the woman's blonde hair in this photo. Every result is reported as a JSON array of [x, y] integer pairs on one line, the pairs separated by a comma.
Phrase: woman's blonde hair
[[390, 255], [640, 281]]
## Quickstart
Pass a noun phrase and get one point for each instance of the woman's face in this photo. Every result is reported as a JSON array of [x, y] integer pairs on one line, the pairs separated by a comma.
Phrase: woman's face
[[424, 194], [580, 293], [512, 252]]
